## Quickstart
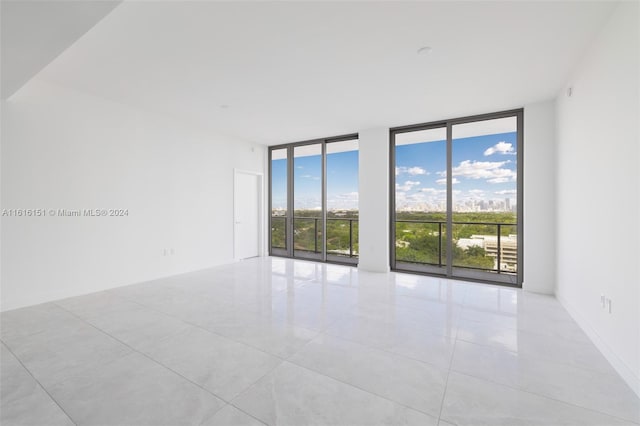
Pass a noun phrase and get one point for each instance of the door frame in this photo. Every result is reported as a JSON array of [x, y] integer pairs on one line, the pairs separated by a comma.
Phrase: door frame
[[260, 212]]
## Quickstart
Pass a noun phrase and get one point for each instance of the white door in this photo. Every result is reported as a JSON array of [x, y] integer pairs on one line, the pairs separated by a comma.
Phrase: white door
[[247, 207]]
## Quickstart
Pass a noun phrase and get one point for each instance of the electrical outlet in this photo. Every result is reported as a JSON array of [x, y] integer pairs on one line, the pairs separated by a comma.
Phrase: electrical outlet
[[602, 301], [609, 305]]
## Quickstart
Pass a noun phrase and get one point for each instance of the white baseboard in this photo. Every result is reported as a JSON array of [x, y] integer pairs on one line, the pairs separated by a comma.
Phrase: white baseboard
[[627, 374], [373, 268]]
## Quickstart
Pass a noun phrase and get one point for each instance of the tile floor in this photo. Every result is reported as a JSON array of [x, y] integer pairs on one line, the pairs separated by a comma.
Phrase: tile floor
[[282, 342]]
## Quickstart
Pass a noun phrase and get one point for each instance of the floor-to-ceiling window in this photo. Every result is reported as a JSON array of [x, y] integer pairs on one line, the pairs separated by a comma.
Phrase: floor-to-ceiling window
[[457, 198], [278, 201], [342, 200], [314, 199], [308, 201]]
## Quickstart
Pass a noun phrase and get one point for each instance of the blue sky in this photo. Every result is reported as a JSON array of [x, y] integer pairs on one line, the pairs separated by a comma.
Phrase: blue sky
[[484, 168], [342, 181], [279, 184]]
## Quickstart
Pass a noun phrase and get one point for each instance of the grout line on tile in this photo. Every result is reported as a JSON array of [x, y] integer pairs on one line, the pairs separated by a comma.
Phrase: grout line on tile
[[239, 409], [340, 381], [154, 309], [40, 384], [363, 390], [611, 373], [390, 351], [317, 334], [446, 385], [206, 329], [546, 397], [155, 361]]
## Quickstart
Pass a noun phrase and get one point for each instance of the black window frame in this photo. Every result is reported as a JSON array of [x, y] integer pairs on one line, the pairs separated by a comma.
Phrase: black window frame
[[289, 252], [471, 275]]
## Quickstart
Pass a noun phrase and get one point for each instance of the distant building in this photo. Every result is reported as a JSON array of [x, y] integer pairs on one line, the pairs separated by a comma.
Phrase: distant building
[[508, 249], [465, 243]]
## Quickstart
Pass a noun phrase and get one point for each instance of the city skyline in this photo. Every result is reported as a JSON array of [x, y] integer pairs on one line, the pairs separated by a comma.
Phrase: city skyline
[[342, 182], [484, 174], [484, 177]]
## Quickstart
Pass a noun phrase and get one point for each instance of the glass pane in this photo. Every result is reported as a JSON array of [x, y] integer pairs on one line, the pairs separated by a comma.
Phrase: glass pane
[[421, 242], [279, 198], [307, 201], [484, 173], [421, 196], [342, 198]]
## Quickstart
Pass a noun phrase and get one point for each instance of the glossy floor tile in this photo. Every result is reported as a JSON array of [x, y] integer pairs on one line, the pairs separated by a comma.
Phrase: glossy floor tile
[[23, 401], [406, 381], [273, 341], [35, 319], [267, 333], [54, 355], [412, 340], [138, 326], [471, 401], [134, 390], [293, 395], [220, 365], [548, 378], [231, 416]]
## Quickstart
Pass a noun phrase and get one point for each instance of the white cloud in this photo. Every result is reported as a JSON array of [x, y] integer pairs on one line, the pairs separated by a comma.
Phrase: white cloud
[[310, 177], [490, 170], [349, 196], [433, 191], [498, 180], [348, 200], [480, 169], [416, 197], [443, 181], [504, 148], [506, 192], [423, 198], [413, 171], [407, 185], [307, 203], [476, 192]]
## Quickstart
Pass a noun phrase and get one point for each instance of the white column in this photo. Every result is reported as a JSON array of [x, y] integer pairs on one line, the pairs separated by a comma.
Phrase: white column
[[539, 198], [374, 200]]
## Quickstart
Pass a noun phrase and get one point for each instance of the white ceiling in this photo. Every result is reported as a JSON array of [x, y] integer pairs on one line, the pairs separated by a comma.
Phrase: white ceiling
[[33, 33], [292, 71]]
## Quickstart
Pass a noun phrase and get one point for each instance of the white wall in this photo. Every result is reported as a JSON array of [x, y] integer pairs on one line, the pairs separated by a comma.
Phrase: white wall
[[373, 199], [67, 150], [539, 183], [598, 236]]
